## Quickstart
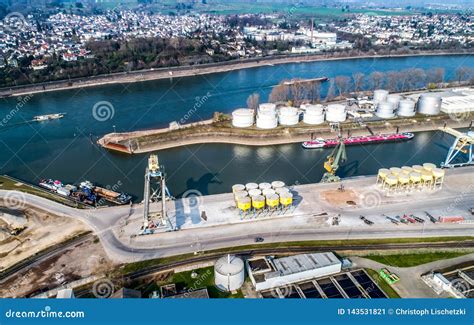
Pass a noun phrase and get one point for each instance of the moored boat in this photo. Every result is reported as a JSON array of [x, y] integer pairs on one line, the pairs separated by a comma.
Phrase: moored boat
[[358, 140]]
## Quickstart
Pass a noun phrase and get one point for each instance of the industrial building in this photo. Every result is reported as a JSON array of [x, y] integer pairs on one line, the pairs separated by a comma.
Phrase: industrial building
[[268, 273], [458, 101]]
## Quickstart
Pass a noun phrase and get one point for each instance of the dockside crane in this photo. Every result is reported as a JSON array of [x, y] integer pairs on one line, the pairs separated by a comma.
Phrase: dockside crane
[[331, 165], [155, 191], [462, 148]]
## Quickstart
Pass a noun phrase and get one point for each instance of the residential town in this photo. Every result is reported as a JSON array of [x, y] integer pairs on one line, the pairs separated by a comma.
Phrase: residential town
[[33, 43]]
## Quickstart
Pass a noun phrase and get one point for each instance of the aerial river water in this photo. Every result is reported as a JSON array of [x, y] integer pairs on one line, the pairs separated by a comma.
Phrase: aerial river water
[[64, 149]]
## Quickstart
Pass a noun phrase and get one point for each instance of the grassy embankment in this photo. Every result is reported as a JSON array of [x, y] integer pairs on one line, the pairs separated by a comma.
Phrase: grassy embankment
[[414, 259], [387, 288]]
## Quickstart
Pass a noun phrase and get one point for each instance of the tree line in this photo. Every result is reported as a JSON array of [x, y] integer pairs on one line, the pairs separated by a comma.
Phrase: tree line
[[298, 90]]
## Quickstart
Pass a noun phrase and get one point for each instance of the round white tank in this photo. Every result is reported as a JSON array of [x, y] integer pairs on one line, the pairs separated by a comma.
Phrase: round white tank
[[267, 108], [429, 104], [385, 110], [394, 99], [266, 120], [406, 108], [336, 113], [313, 114], [380, 95], [229, 273], [288, 115], [242, 118]]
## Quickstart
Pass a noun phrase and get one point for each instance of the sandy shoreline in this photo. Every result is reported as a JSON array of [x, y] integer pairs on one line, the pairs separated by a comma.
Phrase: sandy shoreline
[[179, 72]]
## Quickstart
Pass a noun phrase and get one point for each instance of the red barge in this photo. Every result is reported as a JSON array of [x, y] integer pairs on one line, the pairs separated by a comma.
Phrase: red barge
[[359, 140]]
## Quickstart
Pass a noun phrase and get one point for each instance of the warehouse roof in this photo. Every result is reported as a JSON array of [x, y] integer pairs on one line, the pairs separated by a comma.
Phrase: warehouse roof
[[304, 262]]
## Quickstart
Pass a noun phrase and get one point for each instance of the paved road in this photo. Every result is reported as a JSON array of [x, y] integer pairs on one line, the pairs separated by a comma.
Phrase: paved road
[[107, 222]]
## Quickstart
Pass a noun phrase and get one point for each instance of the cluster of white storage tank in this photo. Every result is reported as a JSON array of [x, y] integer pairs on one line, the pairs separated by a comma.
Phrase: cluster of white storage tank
[[269, 116], [389, 105]]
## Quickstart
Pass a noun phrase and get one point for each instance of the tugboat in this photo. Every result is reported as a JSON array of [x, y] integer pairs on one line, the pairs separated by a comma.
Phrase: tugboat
[[368, 139]]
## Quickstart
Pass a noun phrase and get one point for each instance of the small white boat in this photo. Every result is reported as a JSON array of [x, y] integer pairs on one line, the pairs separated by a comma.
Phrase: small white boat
[[48, 117]]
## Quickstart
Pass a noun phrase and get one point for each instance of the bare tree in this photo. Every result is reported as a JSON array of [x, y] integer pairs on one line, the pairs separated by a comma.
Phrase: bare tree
[[392, 80], [435, 75], [342, 84], [314, 91], [253, 100], [463, 73], [330, 93], [358, 80], [297, 91], [376, 79], [280, 93]]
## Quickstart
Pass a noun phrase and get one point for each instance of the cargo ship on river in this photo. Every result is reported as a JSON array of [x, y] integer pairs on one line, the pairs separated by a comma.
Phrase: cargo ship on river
[[359, 140], [86, 192]]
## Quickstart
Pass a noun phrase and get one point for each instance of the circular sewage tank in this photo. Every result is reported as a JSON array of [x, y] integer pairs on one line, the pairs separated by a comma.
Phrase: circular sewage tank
[[242, 118], [229, 273], [429, 104]]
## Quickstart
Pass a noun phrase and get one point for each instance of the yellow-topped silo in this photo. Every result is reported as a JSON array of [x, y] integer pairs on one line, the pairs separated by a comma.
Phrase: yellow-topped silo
[[438, 177], [407, 170], [273, 201], [404, 181], [429, 166], [418, 168], [286, 199], [244, 204], [238, 188], [383, 172], [258, 202], [395, 171], [415, 180]]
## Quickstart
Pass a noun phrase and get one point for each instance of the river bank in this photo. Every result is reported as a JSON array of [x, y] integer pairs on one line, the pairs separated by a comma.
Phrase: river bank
[[187, 71]]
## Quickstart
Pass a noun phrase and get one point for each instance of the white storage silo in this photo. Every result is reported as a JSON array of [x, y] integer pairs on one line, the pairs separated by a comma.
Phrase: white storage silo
[[406, 108], [429, 104], [394, 99], [267, 108], [288, 115], [242, 118], [313, 114], [380, 95], [266, 120], [336, 113], [229, 273], [385, 110]]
